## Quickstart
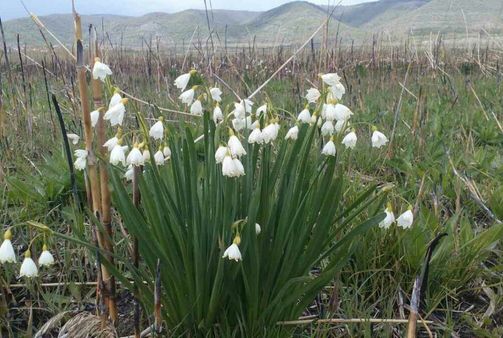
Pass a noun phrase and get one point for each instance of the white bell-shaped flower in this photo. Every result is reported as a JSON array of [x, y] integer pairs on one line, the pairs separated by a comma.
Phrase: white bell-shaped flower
[[239, 111], [196, 108], [73, 137], [100, 70], [238, 124], [216, 94], [182, 81], [28, 267], [328, 112], [111, 143], [146, 155], [115, 99], [118, 154], [350, 140], [187, 96], [240, 169], [258, 229], [95, 116], [235, 146], [159, 158], [292, 134], [7, 254], [331, 79], [81, 159], [218, 116], [128, 175], [46, 258], [256, 136], [342, 113], [247, 104], [389, 219], [406, 219], [220, 154], [337, 91], [312, 95], [270, 132], [329, 148], [157, 130], [167, 152], [135, 157], [232, 252], [339, 125], [378, 139], [116, 113], [304, 116], [327, 128]]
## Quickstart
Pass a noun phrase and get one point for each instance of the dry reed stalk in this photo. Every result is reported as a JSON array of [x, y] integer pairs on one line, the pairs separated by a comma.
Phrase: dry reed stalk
[[106, 217]]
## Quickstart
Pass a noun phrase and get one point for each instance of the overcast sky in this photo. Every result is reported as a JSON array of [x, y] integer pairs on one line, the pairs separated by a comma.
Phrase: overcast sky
[[10, 9]]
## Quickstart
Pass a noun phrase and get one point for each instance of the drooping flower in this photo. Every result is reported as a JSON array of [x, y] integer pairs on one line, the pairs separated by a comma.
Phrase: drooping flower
[[216, 94], [312, 95], [304, 116], [187, 96], [342, 113], [118, 154], [329, 112], [28, 267], [157, 130], [146, 155], [232, 167], [378, 139], [95, 116], [196, 108], [116, 113], [331, 79], [217, 114], [258, 229], [166, 152], [406, 219], [100, 70], [350, 140], [159, 158], [250, 124], [115, 99], [235, 146], [128, 175], [337, 91], [327, 128], [220, 154], [256, 136], [239, 111], [232, 252], [73, 137], [46, 258], [135, 157], [240, 169], [182, 81], [111, 143], [81, 159], [270, 132], [329, 148], [238, 124], [339, 125], [292, 134], [247, 104], [389, 219], [7, 254]]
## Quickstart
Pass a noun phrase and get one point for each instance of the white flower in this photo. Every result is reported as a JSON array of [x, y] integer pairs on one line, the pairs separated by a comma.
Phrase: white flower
[[239, 111], [7, 254], [135, 157], [406, 219], [159, 158], [81, 161], [235, 146], [46, 258], [292, 133], [220, 154], [115, 99], [157, 130], [350, 140], [187, 96], [182, 81], [314, 117], [28, 268], [233, 253], [118, 154], [146, 155], [339, 125], [327, 128], [256, 136], [389, 219], [329, 112], [270, 132], [196, 108], [342, 113], [73, 137], [329, 149], [378, 139], [232, 167], [215, 94], [258, 229], [337, 90], [247, 104], [304, 116], [262, 109], [166, 152], [100, 70], [111, 143], [95, 115], [128, 175], [251, 124], [331, 79], [240, 170], [238, 124], [217, 114], [116, 113], [312, 95]]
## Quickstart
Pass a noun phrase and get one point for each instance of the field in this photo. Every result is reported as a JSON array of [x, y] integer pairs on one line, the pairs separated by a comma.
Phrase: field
[[321, 266]]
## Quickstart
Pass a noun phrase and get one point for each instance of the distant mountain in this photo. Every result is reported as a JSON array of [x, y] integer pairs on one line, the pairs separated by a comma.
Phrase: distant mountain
[[290, 23]]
